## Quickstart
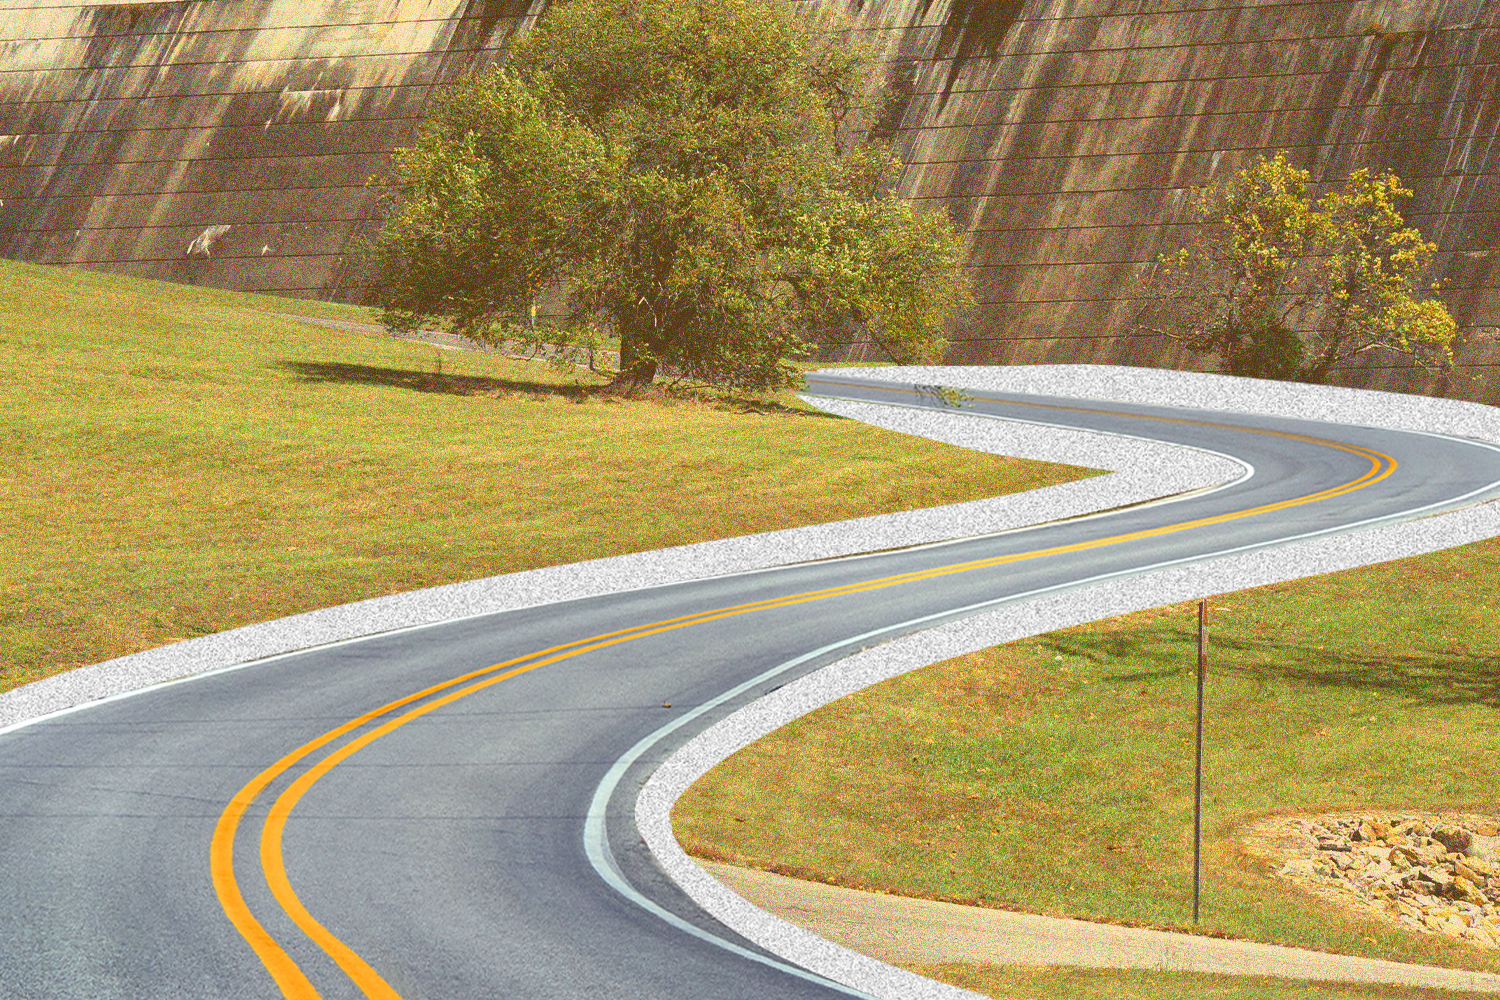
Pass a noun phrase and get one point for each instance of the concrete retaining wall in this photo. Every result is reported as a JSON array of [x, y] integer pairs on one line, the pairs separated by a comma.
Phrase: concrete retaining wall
[[228, 142], [225, 143]]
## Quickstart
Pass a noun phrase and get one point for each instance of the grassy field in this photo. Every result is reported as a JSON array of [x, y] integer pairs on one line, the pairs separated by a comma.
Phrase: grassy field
[[1055, 774], [1014, 983], [177, 462]]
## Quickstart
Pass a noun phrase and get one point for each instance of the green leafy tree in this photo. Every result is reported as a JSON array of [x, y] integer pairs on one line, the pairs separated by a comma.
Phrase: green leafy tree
[[1281, 286], [691, 176]]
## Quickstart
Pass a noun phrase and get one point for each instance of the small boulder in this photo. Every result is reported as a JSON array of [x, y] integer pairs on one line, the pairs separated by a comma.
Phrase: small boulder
[[1462, 888], [1454, 838]]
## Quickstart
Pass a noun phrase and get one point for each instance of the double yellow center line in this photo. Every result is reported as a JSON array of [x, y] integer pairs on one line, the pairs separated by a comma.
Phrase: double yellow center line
[[290, 978]]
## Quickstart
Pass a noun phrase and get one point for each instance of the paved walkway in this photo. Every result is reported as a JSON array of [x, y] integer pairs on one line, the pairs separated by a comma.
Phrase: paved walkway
[[906, 932]]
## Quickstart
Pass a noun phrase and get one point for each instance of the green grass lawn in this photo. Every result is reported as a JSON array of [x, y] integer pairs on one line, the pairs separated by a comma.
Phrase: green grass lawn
[[177, 462], [1055, 774], [1011, 983]]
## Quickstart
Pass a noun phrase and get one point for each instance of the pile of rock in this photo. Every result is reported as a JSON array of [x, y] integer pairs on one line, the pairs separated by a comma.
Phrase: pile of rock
[[1431, 873]]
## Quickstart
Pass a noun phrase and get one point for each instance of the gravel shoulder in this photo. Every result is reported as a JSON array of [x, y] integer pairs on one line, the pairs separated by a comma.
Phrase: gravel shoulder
[[905, 932]]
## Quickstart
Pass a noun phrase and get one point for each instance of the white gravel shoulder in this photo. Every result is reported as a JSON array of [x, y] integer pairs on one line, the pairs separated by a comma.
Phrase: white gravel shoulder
[[241, 646], [1170, 470], [1058, 610]]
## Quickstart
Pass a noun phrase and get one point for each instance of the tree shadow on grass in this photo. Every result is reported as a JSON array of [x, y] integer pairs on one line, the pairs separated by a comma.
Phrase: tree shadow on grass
[[1435, 678], [451, 384], [443, 383], [1422, 676]]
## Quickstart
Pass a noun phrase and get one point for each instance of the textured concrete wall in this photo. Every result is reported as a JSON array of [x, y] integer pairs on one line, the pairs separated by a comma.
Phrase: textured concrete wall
[[227, 142], [224, 142], [1066, 135]]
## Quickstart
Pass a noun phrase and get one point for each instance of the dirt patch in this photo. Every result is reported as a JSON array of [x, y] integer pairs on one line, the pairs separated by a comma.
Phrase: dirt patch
[[1429, 872]]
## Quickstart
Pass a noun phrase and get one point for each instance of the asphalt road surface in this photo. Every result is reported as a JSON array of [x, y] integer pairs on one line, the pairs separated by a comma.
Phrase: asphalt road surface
[[404, 815]]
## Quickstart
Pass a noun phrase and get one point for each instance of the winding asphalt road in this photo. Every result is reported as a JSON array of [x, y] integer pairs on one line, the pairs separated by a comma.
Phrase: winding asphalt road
[[414, 814]]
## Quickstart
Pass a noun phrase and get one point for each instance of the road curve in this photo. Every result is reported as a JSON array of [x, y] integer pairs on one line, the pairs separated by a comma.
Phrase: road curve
[[457, 810]]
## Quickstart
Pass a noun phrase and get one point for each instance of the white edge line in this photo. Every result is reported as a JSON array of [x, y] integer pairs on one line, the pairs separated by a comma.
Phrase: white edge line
[[674, 775], [89, 679], [597, 846], [853, 971]]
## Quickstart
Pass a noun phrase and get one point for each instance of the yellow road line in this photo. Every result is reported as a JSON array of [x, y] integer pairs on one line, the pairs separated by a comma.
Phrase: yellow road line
[[294, 983]]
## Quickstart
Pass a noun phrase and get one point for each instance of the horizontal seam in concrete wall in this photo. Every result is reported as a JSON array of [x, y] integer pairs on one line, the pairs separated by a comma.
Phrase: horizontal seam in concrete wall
[[91, 102], [995, 91], [374, 151], [1270, 4], [1122, 301], [178, 95], [1210, 8], [999, 197], [1130, 300], [1279, 110], [179, 36], [991, 194], [988, 91], [268, 129], [1343, 39], [1159, 224], [1150, 336], [347, 257], [317, 220], [163, 192], [997, 60], [514, 20], [929, 62], [1169, 150], [1466, 177], [421, 56], [914, 130], [1035, 265], [220, 126]]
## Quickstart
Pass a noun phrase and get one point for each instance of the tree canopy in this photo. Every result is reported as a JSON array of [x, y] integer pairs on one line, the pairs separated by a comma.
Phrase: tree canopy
[[691, 177], [1281, 286]]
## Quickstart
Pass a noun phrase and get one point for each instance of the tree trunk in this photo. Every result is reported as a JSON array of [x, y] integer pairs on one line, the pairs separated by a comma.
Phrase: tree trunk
[[1318, 372], [637, 360]]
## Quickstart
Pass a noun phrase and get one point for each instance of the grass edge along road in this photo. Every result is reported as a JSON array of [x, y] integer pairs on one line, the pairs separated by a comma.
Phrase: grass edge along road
[[155, 430], [178, 462], [1055, 774], [1032, 983]]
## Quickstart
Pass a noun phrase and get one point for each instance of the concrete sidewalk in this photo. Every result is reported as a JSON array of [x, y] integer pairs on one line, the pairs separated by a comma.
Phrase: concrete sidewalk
[[905, 932]]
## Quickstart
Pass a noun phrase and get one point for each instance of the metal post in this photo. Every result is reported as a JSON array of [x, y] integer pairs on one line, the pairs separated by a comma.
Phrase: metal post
[[1198, 782]]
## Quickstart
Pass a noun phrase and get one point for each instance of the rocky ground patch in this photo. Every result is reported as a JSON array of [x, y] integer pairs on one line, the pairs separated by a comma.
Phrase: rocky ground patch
[[1436, 874]]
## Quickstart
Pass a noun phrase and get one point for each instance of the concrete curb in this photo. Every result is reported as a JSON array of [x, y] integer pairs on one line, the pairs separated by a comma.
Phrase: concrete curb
[[907, 931]]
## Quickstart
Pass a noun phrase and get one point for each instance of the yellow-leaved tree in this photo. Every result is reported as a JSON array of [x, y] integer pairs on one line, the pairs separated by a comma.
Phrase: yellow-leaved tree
[[1279, 285]]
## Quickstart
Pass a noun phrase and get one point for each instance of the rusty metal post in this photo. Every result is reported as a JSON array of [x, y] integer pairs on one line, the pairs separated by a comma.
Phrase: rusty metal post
[[1198, 781]]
